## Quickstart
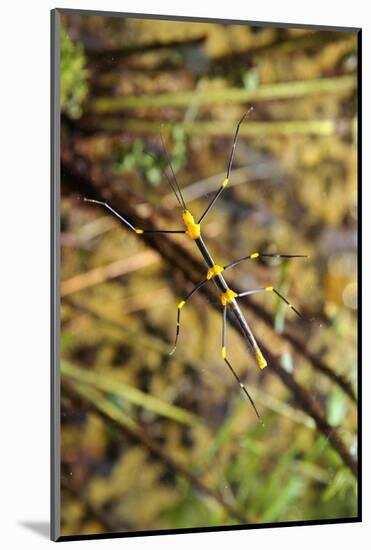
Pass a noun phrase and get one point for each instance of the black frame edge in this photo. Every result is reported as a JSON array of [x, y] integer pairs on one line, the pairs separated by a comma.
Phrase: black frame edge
[[66, 538], [55, 489]]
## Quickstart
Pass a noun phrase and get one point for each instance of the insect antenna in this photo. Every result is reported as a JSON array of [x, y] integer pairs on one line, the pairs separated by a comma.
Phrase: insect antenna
[[181, 199], [163, 170]]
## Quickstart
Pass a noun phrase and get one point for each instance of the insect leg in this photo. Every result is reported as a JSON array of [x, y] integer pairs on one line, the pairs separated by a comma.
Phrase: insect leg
[[256, 255], [270, 289], [180, 306], [229, 167], [224, 356], [126, 222]]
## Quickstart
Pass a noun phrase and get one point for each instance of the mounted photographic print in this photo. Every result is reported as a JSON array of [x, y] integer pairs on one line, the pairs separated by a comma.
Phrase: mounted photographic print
[[205, 369]]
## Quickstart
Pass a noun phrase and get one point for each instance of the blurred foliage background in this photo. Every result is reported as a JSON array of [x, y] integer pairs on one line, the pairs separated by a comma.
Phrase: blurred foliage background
[[151, 441]]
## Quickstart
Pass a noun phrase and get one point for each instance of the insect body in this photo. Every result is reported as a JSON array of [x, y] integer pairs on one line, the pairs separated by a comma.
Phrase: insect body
[[228, 298], [227, 295]]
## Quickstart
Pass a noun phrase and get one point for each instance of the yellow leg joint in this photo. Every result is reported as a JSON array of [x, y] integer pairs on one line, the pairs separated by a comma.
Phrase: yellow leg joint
[[212, 271], [255, 255], [181, 304], [227, 297], [139, 231], [269, 288], [225, 182], [193, 229], [260, 359], [224, 352]]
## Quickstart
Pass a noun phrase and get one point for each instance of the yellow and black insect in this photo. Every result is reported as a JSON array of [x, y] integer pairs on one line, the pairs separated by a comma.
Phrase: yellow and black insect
[[228, 298]]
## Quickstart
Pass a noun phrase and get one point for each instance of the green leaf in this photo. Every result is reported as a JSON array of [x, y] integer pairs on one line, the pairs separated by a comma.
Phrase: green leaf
[[73, 76]]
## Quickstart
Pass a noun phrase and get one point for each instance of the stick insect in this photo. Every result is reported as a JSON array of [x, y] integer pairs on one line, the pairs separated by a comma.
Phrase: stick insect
[[228, 298]]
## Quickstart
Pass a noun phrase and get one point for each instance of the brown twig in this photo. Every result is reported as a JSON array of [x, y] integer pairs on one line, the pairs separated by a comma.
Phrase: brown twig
[[79, 178], [105, 56], [108, 272], [104, 518]]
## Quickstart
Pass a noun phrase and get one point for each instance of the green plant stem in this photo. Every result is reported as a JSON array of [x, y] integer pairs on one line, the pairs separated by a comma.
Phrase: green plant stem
[[129, 393], [162, 347], [127, 424], [218, 128], [280, 90]]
